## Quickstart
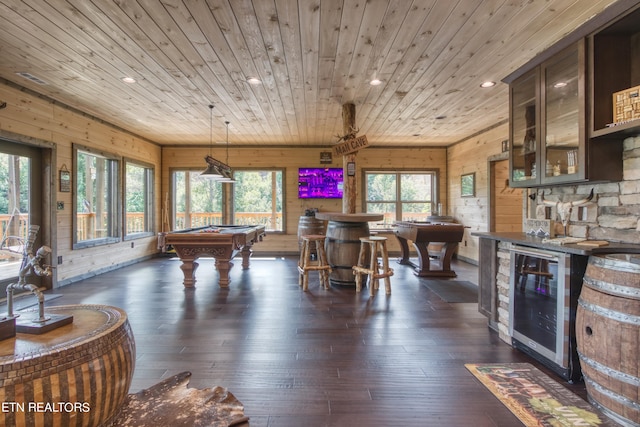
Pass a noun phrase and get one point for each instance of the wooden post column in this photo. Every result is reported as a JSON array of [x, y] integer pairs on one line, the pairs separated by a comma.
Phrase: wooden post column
[[349, 189]]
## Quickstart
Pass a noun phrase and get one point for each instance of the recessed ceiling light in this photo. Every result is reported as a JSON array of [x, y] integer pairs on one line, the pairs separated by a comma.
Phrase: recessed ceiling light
[[375, 82], [487, 84], [253, 81], [128, 80]]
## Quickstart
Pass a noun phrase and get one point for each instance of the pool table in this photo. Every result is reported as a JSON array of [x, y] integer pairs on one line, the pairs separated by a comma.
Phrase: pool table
[[222, 242], [422, 234]]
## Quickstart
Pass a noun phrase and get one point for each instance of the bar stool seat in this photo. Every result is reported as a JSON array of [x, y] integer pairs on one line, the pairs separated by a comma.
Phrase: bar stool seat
[[306, 264], [375, 246]]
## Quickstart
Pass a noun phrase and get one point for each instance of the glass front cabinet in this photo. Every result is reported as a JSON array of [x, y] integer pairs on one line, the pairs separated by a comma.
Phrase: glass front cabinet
[[547, 122], [548, 125]]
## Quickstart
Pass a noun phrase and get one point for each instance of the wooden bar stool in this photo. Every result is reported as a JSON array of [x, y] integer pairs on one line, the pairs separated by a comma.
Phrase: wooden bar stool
[[305, 264], [376, 246]]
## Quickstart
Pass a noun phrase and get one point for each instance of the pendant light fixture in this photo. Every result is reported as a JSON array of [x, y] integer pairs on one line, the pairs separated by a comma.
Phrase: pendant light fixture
[[227, 173], [212, 170]]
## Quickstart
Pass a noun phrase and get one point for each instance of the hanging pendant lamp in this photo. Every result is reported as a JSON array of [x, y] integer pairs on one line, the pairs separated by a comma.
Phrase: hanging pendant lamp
[[212, 170]]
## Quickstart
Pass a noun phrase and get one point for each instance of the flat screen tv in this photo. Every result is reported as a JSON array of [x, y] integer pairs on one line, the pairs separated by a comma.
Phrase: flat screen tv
[[320, 183]]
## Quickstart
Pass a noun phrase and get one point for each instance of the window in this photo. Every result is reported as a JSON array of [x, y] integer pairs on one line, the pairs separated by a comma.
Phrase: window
[[400, 196], [138, 202], [197, 201], [97, 199], [258, 198]]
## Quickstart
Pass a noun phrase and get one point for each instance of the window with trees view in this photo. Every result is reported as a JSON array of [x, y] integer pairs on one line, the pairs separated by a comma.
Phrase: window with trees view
[[197, 201], [96, 199], [15, 172], [256, 198], [400, 196], [138, 183]]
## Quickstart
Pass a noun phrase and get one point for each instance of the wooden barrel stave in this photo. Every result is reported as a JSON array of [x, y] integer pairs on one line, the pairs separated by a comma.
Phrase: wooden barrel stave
[[608, 336]]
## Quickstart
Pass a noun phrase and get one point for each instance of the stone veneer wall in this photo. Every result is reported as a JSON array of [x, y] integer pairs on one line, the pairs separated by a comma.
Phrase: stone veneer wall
[[613, 215]]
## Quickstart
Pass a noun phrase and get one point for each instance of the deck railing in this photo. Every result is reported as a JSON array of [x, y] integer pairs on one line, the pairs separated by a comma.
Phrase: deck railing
[[89, 228], [199, 219]]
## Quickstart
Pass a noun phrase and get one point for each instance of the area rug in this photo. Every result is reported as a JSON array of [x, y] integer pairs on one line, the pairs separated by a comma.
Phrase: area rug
[[535, 398], [172, 403], [453, 290]]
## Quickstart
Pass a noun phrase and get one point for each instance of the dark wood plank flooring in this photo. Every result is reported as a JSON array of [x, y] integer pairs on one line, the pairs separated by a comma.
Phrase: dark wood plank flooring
[[317, 358]]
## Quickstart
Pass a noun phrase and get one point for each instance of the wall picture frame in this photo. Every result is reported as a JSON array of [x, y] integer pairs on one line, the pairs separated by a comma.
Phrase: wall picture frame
[[468, 185], [65, 180]]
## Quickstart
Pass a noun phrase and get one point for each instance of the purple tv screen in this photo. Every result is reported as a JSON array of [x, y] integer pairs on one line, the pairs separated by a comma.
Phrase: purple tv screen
[[320, 183]]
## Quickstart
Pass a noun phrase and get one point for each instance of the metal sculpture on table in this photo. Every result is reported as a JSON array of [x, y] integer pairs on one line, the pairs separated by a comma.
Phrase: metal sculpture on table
[[34, 264]]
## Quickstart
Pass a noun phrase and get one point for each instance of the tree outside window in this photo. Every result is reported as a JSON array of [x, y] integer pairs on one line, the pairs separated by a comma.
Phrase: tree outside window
[[138, 199], [400, 196], [258, 198], [96, 199], [197, 201]]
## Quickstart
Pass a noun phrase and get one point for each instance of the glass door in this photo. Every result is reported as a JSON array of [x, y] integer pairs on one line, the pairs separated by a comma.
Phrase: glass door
[[563, 122], [20, 200], [537, 301], [524, 119]]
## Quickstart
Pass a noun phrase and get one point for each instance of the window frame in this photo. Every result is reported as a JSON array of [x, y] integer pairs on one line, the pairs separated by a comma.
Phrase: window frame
[[225, 219], [115, 194], [149, 202], [435, 189], [283, 174]]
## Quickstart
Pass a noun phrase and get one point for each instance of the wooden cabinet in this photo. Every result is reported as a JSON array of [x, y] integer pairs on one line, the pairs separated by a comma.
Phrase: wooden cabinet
[[615, 65], [550, 144]]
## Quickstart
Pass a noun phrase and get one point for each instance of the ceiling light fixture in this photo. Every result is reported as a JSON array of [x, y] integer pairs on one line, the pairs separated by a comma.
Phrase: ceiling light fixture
[[254, 81], [375, 82], [487, 84], [216, 169], [212, 170], [129, 80], [227, 173]]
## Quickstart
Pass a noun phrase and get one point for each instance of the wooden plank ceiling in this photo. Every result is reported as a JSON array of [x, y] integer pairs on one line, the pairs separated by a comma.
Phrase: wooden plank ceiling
[[311, 56]]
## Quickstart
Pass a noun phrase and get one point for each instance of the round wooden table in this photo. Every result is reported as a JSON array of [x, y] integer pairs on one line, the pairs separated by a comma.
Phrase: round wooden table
[[77, 374], [343, 242]]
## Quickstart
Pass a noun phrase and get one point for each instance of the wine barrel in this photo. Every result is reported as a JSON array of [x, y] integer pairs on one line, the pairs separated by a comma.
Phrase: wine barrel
[[608, 335], [310, 225], [343, 247]]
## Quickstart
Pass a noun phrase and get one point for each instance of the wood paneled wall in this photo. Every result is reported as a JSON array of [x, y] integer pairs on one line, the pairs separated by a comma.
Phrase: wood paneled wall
[[38, 121], [471, 156]]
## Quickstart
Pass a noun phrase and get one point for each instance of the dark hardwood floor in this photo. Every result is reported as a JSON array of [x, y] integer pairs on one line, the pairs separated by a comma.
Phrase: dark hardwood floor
[[318, 358]]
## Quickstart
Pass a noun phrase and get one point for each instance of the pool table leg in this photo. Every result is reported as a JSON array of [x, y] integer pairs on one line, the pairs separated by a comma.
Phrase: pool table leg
[[246, 254], [189, 270], [223, 266]]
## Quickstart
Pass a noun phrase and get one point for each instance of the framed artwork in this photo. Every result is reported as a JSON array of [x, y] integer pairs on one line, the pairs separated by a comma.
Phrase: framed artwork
[[468, 185], [65, 180]]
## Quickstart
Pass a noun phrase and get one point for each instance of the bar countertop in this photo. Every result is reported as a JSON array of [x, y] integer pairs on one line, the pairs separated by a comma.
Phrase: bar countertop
[[524, 239]]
